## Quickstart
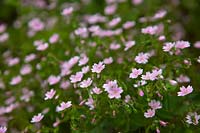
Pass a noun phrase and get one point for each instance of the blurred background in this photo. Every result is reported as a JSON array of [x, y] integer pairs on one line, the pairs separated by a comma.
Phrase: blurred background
[[185, 12], [184, 15]]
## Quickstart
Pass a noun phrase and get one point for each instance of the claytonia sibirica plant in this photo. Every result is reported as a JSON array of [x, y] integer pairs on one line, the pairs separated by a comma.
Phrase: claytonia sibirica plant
[[99, 66]]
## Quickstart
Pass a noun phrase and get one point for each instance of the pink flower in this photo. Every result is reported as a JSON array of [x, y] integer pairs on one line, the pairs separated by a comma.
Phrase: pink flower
[[127, 98], [4, 37], [67, 65], [53, 79], [29, 58], [71, 62], [149, 113], [3, 129], [86, 83], [96, 90], [120, 60], [83, 60], [183, 79], [163, 123], [92, 19], [67, 11], [26, 69], [108, 60], [128, 24], [12, 61], [63, 106], [135, 73], [161, 38], [160, 14], [37, 118], [142, 82], [113, 90], [56, 123], [54, 38], [117, 31], [193, 118], [16, 80], [148, 76], [197, 44], [27, 94], [187, 62], [97, 68], [85, 69], [152, 76], [141, 93], [157, 130], [114, 46], [178, 52], [36, 24], [90, 103], [110, 84], [42, 46], [50, 94], [155, 104], [82, 32], [151, 30], [94, 28], [185, 91], [64, 84], [76, 78], [156, 73], [168, 46], [114, 22], [109, 10], [173, 82], [142, 58], [182, 44], [128, 45]]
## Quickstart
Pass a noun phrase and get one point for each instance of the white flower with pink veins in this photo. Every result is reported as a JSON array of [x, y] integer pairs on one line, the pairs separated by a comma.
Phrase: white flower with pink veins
[[135, 73], [150, 113], [86, 83], [113, 90], [76, 78], [97, 68], [193, 118], [67, 11], [182, 44], [50, 94], [53, 79], [185, 90], [168, 46], [142, 58], [63, 106], [37, 118], [16, 80], [155, 104]]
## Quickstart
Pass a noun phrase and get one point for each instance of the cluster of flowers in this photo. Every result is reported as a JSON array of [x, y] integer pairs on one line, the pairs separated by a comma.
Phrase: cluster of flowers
[[110, 62]]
